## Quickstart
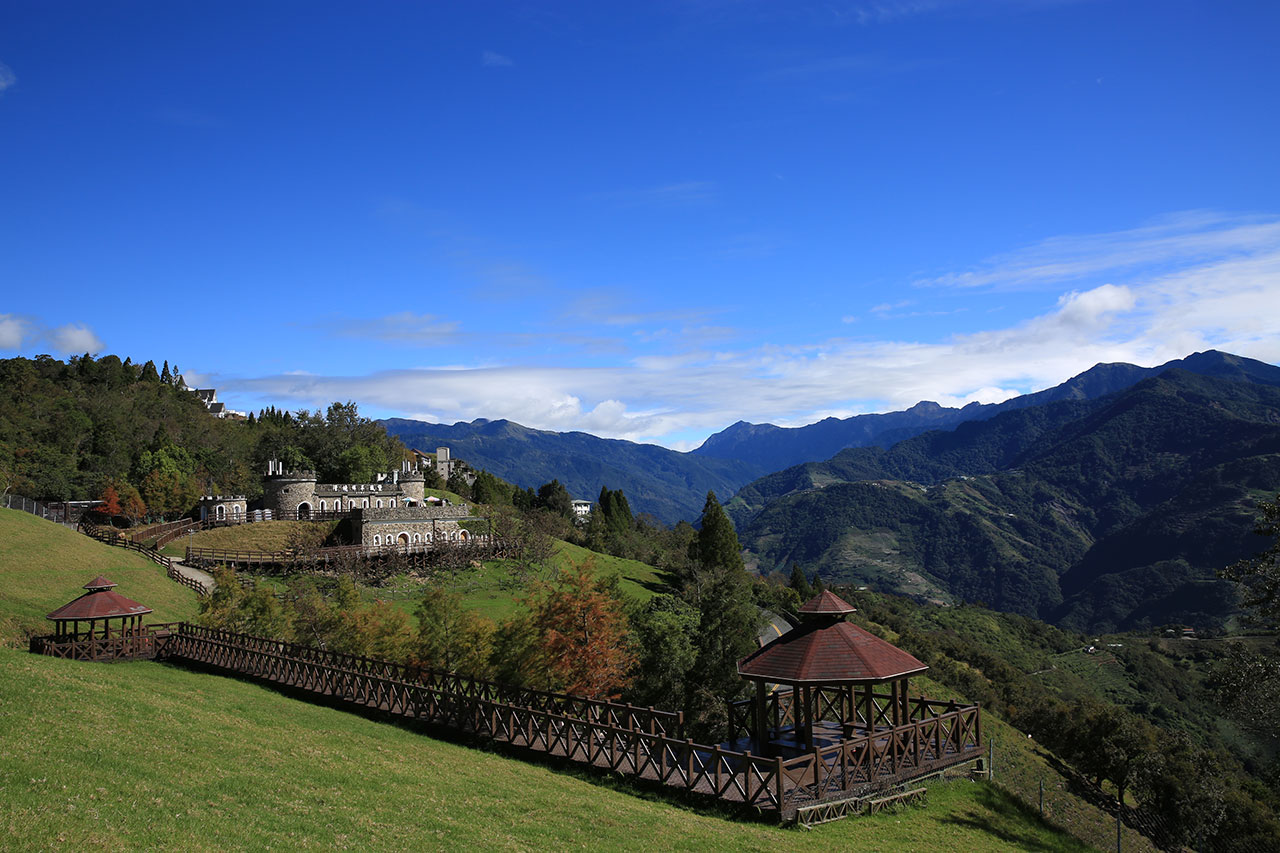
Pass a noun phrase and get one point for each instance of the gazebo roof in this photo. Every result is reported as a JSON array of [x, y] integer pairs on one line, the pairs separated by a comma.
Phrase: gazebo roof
[[826, 603], [828, 654], [100, 602]]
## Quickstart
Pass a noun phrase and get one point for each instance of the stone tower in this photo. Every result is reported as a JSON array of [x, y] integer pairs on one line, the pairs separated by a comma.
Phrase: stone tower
[[413, 486], [289, 494]]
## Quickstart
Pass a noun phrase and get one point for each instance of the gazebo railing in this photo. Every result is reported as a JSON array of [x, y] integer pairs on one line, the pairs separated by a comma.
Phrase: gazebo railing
[[834, 704], [131, 644]]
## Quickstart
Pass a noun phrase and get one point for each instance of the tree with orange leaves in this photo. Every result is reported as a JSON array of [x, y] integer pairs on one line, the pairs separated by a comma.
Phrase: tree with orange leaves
[[110, 502], [585, 639]]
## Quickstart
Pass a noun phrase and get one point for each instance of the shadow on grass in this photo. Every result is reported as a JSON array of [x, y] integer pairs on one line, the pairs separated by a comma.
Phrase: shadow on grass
[[1013, 823]]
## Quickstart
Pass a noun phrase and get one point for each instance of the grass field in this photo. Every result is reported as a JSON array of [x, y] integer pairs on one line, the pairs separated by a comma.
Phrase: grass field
[[44, 565], [487, 590], [144, 755]]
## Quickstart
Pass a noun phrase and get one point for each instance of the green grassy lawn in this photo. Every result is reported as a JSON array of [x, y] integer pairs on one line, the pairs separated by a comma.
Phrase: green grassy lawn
[[44, 565], [144, 755], [487, 590], [261, 536]]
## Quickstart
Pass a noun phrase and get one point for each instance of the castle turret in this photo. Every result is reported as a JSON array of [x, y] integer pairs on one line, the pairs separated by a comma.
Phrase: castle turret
[[413, 485], [289, 494]]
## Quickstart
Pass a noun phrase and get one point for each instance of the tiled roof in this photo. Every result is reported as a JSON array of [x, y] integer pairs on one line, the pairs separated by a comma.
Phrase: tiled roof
[[100, 582], [99, 604], [828, 654], [826, 603]]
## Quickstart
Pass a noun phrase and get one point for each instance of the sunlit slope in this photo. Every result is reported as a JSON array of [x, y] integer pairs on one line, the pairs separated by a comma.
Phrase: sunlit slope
[[143, 755], [44, 565]]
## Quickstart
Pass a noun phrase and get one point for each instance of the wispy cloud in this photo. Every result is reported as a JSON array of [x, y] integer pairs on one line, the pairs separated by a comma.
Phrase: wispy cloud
[[1182, 302], [493, 59], [1176, 240], [405, 327], [7, 77], [664, 195]]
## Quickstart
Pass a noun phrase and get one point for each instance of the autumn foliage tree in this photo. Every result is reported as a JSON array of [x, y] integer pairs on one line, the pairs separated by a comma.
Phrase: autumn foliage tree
[[110, 502], [584, 638]]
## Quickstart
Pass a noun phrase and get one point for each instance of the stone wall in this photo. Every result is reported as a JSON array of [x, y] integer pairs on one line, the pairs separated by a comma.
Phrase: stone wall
[[417, 525]]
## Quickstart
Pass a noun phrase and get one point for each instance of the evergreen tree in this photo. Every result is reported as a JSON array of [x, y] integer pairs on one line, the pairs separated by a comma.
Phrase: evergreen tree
[[800, 583], [165, 377], [717, 545], [554, 498]]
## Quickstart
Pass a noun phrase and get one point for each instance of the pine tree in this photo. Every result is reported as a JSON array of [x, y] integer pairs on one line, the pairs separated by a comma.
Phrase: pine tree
[[717, 544], [165, 376], [800, 583]]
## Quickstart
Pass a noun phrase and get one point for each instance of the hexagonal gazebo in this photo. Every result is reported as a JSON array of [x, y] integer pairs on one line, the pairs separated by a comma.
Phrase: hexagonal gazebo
[[831, 668], [120, 635]]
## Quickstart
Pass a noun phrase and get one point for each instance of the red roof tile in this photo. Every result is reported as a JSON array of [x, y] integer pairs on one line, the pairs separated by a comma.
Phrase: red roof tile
[[827, 603], [829, 654], [100, 604], [100, 582]]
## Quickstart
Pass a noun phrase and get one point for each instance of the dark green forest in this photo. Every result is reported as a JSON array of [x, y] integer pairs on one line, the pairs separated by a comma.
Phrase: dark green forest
[[1103, 514], [69, 430]]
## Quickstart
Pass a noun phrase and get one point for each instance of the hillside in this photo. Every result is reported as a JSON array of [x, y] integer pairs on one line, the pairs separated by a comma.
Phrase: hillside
[[45, 565], [669, 485], [1104, 514], [773, 447], [200, 762]]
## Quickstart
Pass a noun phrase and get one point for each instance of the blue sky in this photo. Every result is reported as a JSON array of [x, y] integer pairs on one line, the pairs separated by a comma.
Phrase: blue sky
[[645, 221]]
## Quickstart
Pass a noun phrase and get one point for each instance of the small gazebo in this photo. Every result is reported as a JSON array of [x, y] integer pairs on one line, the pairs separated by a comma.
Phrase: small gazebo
[[119, 616], [832, 668]]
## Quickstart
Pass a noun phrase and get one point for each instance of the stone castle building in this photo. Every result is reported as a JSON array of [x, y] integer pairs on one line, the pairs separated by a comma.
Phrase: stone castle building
[[414, 525], [298, 494]]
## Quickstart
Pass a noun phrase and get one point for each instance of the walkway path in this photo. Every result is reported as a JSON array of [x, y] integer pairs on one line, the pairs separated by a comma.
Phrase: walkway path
[[198, 575]]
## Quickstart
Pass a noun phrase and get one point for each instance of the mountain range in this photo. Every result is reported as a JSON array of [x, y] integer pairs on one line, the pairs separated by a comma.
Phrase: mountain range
[[1102, 514], [672, 486]]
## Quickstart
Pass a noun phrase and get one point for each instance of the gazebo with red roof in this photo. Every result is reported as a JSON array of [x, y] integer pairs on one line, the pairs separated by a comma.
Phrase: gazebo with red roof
[[825, 660], [100, 604]]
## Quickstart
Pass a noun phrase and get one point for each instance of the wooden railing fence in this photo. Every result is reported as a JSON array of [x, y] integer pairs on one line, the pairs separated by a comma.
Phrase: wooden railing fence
[[641, 742], [113, 537]]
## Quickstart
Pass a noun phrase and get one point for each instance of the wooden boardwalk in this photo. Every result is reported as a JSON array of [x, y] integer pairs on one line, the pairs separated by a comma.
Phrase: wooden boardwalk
[[642, 742]]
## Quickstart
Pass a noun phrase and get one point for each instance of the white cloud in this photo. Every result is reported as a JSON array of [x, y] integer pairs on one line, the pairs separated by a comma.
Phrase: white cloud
[[1220, 295], [7, 77], [493, 59], [13, 331], [17, 333], [75, 338]]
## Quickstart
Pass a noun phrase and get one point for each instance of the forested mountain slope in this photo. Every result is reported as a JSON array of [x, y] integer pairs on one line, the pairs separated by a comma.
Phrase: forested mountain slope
[[1103, 514], [665, 483]]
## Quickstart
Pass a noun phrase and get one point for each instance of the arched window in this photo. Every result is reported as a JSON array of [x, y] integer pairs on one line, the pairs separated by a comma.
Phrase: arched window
[[379, 503], [416, 538], [403, 538], [222, 512], [393, 503], [377, 540], [365, 505]]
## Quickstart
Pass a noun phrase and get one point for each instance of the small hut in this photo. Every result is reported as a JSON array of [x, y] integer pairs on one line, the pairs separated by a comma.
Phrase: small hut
[[830, 668], [113, 621]]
